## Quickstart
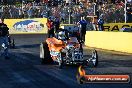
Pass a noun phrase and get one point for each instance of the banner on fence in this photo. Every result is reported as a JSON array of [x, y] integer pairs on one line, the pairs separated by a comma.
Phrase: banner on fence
[[27, 26]]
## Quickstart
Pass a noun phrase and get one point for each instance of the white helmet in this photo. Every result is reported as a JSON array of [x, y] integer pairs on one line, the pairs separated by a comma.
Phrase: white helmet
[[61, 35]]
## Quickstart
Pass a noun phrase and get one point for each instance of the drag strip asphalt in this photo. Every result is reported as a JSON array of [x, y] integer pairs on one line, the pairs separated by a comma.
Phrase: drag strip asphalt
[[24, 68]]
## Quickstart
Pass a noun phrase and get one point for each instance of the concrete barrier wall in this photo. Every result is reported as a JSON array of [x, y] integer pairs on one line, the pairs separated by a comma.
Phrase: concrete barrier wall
[[118, 41], [27, 26]]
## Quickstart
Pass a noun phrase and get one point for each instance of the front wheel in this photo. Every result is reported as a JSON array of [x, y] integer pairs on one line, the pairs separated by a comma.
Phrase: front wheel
[[94, 58]]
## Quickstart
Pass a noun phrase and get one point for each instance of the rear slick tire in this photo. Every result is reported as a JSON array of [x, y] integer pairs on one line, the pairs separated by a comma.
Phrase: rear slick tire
[[45, 54]]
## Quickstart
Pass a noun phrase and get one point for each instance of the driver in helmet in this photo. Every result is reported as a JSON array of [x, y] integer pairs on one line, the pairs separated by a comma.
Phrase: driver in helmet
[[62, 34]]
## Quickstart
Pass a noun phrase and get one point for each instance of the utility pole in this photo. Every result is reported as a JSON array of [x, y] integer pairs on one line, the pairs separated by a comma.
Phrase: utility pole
[[22, 5], [94, 8], [69, 10], [125, 11]]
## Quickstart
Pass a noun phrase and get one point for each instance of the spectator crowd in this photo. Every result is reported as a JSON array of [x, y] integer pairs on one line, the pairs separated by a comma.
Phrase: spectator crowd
[[68, 10]]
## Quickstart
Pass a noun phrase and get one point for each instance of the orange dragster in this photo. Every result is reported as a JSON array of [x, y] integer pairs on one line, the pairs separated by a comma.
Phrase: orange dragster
[[64, 49]]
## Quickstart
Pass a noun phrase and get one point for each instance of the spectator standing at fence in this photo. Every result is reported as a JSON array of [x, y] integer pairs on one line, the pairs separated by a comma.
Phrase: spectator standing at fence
[[83, 25], [57, 23], [4, 33], [30, 11], [50, 26], [20, 13], [100, 24], [62, 15]]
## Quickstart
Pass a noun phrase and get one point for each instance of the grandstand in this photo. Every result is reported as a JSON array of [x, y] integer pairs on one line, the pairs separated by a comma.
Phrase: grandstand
[[112, 10]]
